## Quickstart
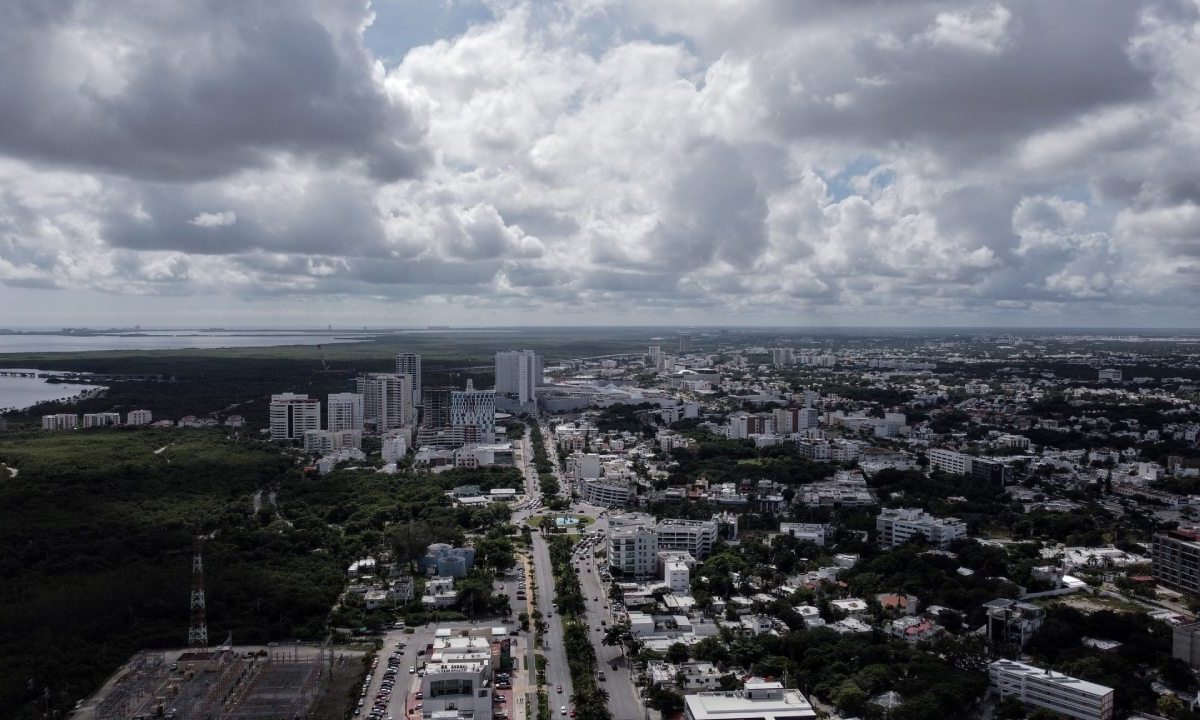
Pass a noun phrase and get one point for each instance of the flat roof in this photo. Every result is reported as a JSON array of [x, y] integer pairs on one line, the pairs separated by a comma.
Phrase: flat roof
[[1051, 676], [734, 704]]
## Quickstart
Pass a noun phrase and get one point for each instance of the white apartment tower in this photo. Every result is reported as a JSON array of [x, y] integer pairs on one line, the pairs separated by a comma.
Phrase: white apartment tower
[[518, 373], [410, 364], [345, 412], [292, 415], [387, 400]]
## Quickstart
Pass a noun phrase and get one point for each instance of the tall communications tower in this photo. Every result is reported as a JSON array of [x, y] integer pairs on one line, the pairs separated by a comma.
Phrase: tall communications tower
[[198, 630]]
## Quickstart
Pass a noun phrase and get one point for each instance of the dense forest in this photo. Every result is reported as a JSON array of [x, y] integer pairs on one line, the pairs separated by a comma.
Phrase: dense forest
[[96, 532]]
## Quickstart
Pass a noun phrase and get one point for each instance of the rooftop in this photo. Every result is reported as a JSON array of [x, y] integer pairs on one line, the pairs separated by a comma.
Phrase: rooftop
[[767, 700]]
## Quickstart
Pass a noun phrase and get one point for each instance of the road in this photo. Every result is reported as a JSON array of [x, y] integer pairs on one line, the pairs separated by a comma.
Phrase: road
[[542, 574], [623, 702]]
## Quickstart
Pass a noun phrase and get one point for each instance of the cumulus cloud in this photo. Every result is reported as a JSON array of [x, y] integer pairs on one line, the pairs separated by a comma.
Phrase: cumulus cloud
[[873, 160]]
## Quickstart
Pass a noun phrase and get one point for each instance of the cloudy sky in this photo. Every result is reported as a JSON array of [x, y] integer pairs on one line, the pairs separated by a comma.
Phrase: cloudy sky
[[482, 162]]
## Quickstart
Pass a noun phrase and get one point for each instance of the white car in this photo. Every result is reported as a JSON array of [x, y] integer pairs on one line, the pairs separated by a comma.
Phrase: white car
[[412, 669], [563, 710]]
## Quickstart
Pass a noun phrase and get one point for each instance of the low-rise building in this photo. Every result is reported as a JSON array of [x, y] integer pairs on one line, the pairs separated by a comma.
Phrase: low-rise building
[[1012, 622], [61, 421], [1054, 691], [805, 532], [139, 417], [759, 700], [897, 526]]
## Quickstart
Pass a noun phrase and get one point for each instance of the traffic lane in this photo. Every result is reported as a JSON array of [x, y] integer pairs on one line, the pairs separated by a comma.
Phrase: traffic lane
[[557, 672]]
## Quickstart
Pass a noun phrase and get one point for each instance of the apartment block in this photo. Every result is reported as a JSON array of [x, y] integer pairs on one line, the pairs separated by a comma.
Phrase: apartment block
[[326, 442], [410, 364], [344, 411], [387, 400], [897, 526], [1175, 559], [294, 414], [104, 419], [518, 373], [633, 550], [949, 461], [61, 421], [139, 417], [1054, 691], [693, 536]]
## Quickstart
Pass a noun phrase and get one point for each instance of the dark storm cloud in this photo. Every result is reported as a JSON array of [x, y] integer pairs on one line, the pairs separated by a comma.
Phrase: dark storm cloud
[[183, 91]]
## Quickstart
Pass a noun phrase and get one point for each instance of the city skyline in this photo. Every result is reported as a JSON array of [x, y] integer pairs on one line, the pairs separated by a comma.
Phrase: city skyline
[[600, 162]]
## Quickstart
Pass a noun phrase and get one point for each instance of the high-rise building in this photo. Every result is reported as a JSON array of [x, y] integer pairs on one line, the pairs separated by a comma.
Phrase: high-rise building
[[518, 373], [292, 415], [410, 364], [345, 412], [387, 400], [436, 407], [685, 342], [474, 411], [782, 357]]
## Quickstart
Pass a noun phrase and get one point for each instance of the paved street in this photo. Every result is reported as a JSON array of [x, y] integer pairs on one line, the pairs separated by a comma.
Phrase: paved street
[[623, 700]]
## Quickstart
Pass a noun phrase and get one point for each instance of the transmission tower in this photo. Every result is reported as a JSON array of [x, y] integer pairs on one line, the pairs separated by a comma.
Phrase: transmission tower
[[198, 630]]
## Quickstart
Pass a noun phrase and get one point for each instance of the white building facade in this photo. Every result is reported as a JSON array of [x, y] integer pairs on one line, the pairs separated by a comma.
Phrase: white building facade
[[292, 415], [344, 411], [897, 526]]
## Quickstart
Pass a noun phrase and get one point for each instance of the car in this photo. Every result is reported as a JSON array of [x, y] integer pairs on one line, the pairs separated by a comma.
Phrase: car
[[563, 709], [412, 669], [419, 695], [560, 689], [601, 676], [572, 713]]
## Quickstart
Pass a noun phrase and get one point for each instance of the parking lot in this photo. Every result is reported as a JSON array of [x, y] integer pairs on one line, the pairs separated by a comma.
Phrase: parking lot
[[392, 688]]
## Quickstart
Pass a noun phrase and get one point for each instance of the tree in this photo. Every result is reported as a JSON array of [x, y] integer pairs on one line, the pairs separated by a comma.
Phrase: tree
[[1171, 706], [677, 653], [849, 698], [1009, 709]]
